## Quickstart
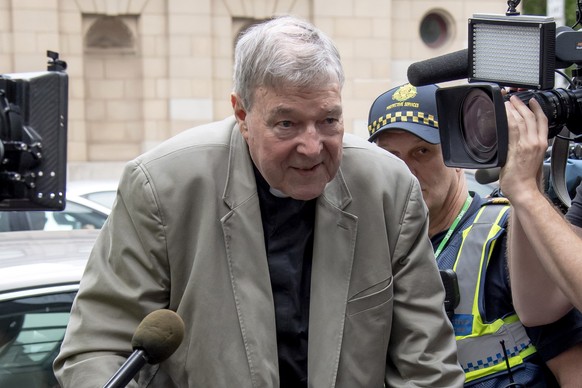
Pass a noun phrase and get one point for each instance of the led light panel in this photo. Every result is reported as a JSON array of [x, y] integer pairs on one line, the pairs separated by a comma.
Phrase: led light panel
[[516, 51]]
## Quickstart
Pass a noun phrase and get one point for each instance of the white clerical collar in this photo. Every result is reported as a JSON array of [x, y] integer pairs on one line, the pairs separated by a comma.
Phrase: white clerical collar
[[277, 193]]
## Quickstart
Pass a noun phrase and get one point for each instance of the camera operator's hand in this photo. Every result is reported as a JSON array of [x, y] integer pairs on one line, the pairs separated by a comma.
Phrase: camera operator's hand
[[528, 141]]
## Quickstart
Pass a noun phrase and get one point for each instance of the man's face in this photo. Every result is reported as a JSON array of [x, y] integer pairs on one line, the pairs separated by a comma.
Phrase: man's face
[[294, 137], [426, 162]]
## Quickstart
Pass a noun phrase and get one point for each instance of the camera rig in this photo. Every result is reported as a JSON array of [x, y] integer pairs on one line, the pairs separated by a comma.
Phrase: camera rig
[[524, 53], [33, 138]]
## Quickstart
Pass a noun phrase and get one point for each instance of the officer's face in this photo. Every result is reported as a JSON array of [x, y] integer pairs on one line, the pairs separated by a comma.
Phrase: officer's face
[[437, 181], [294, 137]]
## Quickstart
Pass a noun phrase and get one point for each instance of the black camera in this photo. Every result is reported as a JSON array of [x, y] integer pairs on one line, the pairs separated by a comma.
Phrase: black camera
[[33, 138], [517, 51], [474, 131]]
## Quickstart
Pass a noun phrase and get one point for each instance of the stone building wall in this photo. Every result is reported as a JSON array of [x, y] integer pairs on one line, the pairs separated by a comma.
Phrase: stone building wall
[[141, 71]]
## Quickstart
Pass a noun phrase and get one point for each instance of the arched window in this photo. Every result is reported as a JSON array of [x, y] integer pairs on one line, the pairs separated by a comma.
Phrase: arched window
[[110, 33]]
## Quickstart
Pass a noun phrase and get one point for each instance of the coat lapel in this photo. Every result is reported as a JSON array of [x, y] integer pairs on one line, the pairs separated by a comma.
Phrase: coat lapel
[[334, 245], [249, 271]]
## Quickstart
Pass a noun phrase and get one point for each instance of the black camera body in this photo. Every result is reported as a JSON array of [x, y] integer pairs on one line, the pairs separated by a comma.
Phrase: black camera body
[[33, 138], [521, 52]]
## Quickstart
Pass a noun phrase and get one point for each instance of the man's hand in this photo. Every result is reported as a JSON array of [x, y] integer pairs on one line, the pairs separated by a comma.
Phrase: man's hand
[[528, 141]]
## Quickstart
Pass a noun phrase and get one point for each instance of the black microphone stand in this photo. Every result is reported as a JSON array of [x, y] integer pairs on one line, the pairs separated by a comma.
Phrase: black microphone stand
[[129, 369]]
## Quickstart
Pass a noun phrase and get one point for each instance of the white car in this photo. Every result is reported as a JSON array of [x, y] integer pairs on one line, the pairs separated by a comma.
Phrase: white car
[[40, 278], [101, 192], [79, 213]]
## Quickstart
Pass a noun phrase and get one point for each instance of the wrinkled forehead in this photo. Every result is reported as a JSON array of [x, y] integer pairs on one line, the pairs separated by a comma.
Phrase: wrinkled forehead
[[327, 93], [300, 82]]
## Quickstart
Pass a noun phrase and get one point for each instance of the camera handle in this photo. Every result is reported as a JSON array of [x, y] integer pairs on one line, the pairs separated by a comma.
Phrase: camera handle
[[54, 63], [558, 161], [512, 5]]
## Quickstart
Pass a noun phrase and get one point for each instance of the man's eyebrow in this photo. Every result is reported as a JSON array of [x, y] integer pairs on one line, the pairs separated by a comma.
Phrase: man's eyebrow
[[277, 112], [282, 110], [335, 110]]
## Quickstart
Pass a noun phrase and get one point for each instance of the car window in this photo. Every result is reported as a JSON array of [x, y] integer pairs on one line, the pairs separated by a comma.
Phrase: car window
[[22, 220], [104, 198], [75, 216], [31, 333]]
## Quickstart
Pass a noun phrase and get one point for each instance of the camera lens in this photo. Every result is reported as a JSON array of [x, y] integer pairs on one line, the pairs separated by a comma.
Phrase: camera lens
[[478, 125], [561, 107]]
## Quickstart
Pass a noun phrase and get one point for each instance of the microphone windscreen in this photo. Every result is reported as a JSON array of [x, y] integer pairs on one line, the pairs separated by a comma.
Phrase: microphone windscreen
[[159, 335], [487, 175], [448, 67]]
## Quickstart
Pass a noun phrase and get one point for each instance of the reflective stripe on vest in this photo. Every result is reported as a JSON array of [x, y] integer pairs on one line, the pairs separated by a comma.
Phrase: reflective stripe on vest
[[479, 349]]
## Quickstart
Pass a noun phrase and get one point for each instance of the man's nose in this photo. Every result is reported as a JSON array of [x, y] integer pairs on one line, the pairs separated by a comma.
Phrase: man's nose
[[310, 141]]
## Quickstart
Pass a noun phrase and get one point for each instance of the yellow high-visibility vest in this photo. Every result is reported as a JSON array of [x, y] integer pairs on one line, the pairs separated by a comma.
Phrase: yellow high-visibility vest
[[479, 349]]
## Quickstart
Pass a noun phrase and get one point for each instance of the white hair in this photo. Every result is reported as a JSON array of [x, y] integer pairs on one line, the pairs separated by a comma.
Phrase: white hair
[[284, 51]]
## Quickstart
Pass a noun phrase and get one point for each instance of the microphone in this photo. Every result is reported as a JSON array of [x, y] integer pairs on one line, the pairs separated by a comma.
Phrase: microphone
[[448, 67], [156, 338], [487, 175]]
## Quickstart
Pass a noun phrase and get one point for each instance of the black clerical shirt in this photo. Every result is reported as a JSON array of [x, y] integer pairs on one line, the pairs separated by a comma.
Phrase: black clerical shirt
[[288, 229]]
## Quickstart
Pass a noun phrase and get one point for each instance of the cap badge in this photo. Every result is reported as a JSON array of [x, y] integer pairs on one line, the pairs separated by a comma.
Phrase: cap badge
[[405, 92]]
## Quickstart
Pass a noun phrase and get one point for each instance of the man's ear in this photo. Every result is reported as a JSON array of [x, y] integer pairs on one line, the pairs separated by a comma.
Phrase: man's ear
[[240, 114]]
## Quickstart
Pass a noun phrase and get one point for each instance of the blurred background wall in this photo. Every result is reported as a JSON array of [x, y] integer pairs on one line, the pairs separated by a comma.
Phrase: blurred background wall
[[141, 71]]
